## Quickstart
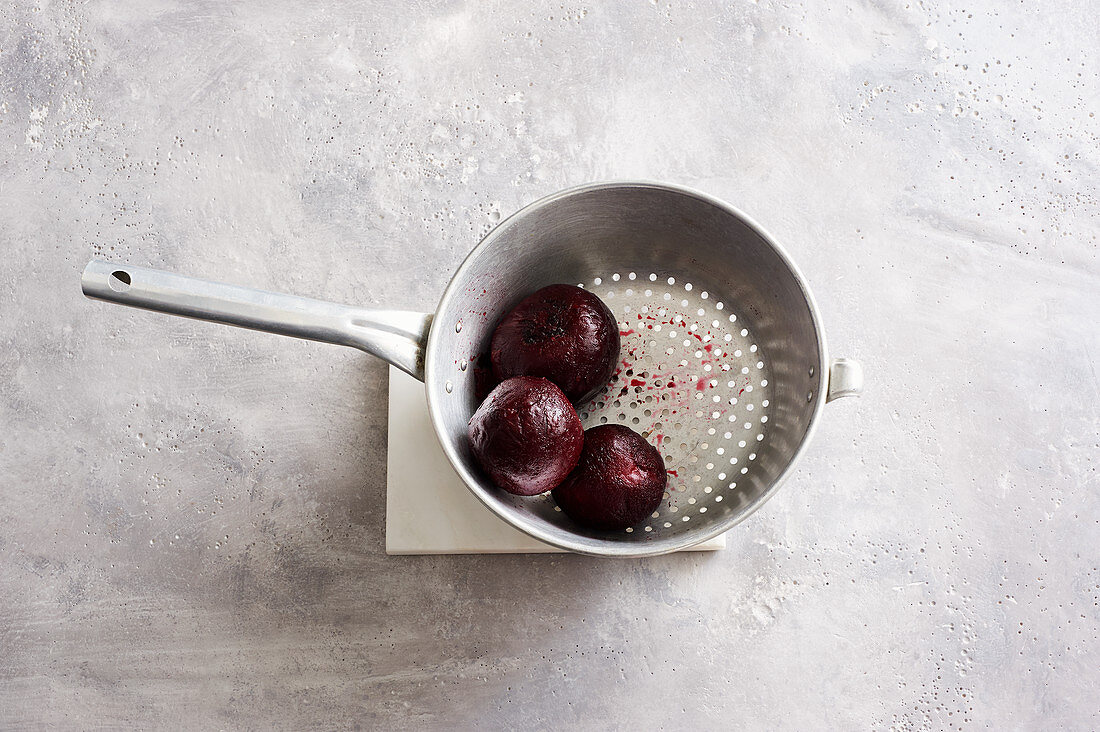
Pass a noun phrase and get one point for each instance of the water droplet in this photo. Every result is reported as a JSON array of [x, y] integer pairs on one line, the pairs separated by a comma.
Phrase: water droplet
[[448, 387]]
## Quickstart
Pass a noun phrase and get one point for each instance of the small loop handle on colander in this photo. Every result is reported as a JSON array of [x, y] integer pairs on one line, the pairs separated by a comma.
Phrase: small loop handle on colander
[[845, 379]]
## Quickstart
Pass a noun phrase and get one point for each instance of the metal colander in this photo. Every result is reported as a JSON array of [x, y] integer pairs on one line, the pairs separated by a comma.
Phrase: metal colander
[[724, 365]]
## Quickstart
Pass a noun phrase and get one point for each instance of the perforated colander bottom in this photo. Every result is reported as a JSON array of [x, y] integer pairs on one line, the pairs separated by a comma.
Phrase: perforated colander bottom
[[693, 382]]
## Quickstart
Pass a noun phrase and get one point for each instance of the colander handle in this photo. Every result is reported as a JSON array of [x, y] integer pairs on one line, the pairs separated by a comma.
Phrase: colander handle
[[395, 336], [845, 379]]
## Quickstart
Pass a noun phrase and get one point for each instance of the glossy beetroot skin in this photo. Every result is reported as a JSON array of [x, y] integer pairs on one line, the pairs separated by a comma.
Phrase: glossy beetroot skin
[[619, 481], [526, 435], [562, 333]]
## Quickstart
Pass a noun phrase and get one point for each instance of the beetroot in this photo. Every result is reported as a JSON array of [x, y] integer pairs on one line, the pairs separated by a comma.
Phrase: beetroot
[[526, 435], [562, 333], [619, 481]]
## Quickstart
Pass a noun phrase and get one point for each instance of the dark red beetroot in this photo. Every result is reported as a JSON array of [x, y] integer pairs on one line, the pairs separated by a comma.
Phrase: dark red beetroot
[[619, 480], [562, 333], [526, 435]]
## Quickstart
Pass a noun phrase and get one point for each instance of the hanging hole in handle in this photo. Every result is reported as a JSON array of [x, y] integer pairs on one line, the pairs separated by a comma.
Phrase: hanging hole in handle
[[119, 281]]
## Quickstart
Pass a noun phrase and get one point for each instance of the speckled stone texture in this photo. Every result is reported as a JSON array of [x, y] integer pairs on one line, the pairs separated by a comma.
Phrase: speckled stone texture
[[191, 516]]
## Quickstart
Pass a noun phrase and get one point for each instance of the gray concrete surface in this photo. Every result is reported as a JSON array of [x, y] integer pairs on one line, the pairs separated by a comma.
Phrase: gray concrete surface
[[191, 517]]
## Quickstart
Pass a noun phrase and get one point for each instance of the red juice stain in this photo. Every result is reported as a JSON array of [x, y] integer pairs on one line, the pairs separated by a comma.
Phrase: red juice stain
[[708, 348], [700, 384], [626, 332], [673, 473], [637, 382], [741, 392]]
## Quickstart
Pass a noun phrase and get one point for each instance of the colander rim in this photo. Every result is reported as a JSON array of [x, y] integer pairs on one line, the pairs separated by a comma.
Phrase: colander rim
[[606, 547]]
